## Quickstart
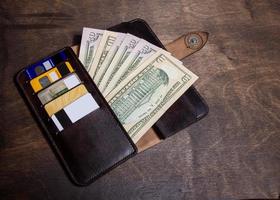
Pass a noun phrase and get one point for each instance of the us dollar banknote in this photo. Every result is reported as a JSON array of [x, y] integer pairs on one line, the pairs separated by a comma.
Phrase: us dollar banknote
[[103, 48], [143, 97], [122, 54], [138, 55], [111, 54], [90, 40]]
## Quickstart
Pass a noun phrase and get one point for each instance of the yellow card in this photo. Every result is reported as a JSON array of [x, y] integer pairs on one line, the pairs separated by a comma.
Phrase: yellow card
[[45, 79], [65, 99]]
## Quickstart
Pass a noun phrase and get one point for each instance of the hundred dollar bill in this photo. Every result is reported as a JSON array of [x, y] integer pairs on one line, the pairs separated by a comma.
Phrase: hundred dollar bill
[[122, 54], [90, 41], [105, 45], [142, 98], [138, 55], [112, 52]]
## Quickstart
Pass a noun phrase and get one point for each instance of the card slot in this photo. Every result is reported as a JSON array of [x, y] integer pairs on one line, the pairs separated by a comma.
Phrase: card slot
[[36, 93], [72, 112], [59, 88], [52, 123], [46, 68], [53, 75], [92, 145], [35, 103], [64, 100], [82, 83], [45, 64], [28, 81]]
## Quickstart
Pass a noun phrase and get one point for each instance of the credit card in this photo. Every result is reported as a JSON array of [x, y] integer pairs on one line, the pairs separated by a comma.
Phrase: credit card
[[59, 88], [45, 79], [44, 65], [65, 99], [74, 111]]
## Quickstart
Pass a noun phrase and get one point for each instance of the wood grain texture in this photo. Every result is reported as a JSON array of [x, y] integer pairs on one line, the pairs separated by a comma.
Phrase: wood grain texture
[[232, 153]]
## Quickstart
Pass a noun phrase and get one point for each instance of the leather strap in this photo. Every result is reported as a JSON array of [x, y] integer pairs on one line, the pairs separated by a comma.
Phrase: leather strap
[[183, 46], [187, 44]]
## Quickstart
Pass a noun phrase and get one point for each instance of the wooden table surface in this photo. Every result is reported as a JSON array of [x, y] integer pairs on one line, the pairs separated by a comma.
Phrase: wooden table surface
[[232, 153]]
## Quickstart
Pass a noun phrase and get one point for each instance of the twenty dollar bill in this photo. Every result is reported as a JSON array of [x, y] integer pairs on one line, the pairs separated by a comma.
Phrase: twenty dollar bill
[[138, 55], [103, 48], [90, 40], [109, 80], [144, 96], [111, 54]]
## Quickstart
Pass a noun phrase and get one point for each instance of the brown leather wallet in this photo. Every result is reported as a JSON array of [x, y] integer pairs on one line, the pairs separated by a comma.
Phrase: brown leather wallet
[[97, 143]]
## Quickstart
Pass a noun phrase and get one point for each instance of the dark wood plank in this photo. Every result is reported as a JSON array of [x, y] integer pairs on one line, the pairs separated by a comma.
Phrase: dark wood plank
[[232, 153]]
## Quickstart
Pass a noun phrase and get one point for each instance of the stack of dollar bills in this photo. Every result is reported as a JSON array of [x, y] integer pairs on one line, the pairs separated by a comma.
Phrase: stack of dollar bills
[[139, 80]]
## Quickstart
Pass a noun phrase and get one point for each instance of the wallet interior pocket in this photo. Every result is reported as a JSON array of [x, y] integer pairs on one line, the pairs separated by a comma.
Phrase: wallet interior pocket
[[90, 146], [93, 145]]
